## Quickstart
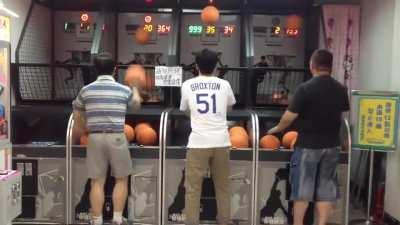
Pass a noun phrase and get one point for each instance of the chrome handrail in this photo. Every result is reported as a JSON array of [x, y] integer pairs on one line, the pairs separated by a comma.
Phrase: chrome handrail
[[68, 171], [162, 163], [254, 206], [347, 203]]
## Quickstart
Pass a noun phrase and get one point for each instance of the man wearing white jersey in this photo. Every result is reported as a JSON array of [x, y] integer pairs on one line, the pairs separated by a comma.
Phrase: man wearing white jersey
[[207, 98]]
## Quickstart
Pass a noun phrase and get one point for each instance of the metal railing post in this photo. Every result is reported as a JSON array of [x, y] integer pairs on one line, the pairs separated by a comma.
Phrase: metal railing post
[[68, 171]]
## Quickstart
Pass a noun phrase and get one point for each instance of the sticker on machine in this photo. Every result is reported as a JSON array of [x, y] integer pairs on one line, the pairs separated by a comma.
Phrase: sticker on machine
[[166, 76]]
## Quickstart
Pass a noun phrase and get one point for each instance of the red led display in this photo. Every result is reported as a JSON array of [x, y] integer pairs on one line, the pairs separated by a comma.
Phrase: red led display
[[292, 32], [163, 29], [229, 29]]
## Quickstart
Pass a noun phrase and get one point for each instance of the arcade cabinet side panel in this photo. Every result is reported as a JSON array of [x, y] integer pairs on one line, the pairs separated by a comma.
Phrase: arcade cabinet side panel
[[5, 145]]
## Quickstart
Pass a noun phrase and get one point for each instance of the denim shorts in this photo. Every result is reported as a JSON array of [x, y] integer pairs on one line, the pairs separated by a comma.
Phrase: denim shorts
[[313, 174]]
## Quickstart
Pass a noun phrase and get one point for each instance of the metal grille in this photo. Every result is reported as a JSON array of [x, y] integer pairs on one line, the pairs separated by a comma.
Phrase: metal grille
[[276, 86], [36, 43], [57, 83], [35, 83]]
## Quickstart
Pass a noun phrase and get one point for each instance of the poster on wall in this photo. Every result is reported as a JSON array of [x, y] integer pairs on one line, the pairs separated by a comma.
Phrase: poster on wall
[[375, 120], [4, 97]]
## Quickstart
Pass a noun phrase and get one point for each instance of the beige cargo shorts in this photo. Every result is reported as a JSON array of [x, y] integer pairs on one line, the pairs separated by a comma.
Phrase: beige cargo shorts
[[106, 149]]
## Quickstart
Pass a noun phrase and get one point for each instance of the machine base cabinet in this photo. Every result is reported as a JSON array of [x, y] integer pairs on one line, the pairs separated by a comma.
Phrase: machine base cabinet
[[10, 195]]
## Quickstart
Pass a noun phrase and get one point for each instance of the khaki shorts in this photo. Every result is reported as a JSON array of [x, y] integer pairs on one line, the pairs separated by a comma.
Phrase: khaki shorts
[[106, 149]]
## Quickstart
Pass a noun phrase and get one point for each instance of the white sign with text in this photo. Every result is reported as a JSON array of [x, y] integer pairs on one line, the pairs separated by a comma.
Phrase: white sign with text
[[166, 76]]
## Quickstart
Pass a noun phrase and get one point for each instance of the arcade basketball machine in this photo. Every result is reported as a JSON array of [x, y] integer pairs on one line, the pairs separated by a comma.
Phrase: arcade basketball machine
[[54, 61], [283, 38]]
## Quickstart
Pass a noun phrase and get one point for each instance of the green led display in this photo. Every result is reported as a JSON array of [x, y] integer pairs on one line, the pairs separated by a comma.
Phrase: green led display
[[195, 29]]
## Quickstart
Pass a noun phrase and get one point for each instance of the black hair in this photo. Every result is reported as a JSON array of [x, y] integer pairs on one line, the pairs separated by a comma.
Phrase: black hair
[[263, 57], [322, 58], [206, 61], [104, 63]]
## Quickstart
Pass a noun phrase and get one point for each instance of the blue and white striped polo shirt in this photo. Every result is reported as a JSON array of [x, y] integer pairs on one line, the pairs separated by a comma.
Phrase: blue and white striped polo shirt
[[105, 103]]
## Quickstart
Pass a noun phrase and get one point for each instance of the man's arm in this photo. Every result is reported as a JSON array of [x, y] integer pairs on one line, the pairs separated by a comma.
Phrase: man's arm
[[79, 128], [286, 120], [184, 105], [295, 107], [135, 100], [231, 99]]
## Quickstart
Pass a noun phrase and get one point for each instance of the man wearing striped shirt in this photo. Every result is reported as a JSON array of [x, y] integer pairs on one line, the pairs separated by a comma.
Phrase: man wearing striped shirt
[[100, 109]]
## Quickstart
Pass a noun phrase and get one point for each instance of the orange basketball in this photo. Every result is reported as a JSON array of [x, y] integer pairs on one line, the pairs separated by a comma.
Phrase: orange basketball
[[150, 83], [293, 144], [238, 130], [239, 141], [294, 22], [288, 138], [135, 76], [141, 36], [129, 133], [140, 126], [210, 15], [84, 140], [270, 142], [147, 136]]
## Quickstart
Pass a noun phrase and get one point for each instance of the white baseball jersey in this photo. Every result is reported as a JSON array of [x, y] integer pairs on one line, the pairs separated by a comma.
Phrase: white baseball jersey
[[207, 98]]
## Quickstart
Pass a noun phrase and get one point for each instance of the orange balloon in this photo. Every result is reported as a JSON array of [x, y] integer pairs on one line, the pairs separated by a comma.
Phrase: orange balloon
[[147, 136], [141, 36], [135, 75], [293, 144], [210, 15], [288, 138], [239, 141], [294, 21], [129, 133], [270, 142], [84, 140], [238, 130]]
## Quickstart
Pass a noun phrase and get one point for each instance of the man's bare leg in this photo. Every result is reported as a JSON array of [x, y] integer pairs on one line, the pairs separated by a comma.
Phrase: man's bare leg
[[97, 200], [300, 208], [324, 211]]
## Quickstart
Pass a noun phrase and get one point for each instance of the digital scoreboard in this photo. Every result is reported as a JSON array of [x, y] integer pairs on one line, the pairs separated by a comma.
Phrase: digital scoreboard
[[210, 30]]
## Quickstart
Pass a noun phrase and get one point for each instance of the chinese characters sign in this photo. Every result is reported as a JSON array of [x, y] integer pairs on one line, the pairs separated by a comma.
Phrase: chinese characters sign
[[377, 119], [168, 76]]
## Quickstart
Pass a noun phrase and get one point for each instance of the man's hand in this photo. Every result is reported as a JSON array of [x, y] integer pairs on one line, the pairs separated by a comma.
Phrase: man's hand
[[137, 99], [286, 120]]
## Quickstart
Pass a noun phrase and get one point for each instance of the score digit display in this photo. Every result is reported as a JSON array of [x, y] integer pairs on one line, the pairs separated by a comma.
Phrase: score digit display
[[292, 32], [210, 30], [148, 28], [195, 29], [276, 31], [163, 29], [229, 29]]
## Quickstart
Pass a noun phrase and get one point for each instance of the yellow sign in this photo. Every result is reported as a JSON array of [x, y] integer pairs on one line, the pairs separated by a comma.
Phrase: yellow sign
[[377, 122], [5, 28]]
